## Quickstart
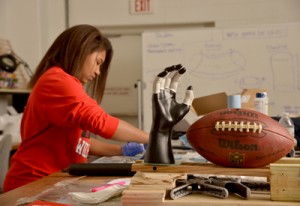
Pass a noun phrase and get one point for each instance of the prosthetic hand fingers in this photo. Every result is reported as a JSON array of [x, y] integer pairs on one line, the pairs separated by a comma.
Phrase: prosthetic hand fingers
[[168, 78], [159, 82], [172, 71], [176, 78], [189, 96]]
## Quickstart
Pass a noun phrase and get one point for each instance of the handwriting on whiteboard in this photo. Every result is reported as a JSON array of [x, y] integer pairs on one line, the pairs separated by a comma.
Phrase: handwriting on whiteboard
[[163, 47], [255, 33]]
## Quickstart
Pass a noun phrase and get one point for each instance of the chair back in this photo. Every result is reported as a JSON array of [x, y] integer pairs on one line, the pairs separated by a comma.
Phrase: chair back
[[5, 148]]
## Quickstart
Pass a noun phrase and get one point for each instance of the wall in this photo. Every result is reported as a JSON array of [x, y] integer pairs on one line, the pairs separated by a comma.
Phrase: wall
[[223, 12], [32, 25]]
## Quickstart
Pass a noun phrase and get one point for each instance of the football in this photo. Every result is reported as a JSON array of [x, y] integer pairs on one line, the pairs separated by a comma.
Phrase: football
[[241, 138]]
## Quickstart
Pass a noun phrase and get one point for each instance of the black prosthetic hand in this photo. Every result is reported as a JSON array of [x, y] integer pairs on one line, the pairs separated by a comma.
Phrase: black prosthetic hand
[[166, 113]]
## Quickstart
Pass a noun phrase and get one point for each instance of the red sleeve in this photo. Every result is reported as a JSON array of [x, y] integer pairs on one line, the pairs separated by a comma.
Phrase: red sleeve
[[66, 104]]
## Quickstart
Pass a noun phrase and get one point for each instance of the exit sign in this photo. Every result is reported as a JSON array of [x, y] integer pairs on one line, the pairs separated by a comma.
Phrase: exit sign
[[141, 6]]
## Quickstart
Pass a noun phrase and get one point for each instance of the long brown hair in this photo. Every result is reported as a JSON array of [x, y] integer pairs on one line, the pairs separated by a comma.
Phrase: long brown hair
[[69, 51]]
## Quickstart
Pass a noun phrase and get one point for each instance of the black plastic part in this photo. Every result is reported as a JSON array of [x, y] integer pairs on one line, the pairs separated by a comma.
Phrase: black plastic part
[[8, 63], [101, 169]]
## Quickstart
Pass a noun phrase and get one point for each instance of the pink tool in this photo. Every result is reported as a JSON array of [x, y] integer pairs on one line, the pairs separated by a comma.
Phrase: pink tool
[[107, 185]]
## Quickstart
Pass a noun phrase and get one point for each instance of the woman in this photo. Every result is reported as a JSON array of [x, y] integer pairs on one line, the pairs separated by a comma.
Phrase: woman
[[63, 108]]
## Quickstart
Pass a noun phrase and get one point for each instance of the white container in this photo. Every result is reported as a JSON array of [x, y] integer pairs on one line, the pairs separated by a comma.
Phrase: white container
[[234, 101], [261, 102]]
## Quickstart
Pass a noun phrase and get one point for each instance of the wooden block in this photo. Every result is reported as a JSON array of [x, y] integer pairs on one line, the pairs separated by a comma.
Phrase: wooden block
[[285, 179], [142, 197], [150, 178], [150, 187], [154, 181], [156, 194]]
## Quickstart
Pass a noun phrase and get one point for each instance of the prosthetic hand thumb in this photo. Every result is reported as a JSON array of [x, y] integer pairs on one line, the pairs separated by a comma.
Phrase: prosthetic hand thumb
[[132, 149]]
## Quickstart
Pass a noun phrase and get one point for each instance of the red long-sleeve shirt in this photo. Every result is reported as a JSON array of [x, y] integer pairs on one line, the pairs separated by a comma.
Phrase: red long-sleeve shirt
[[57, 112]]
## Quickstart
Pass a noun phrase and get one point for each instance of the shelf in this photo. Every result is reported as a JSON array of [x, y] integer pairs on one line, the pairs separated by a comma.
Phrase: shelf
[[14, 91]]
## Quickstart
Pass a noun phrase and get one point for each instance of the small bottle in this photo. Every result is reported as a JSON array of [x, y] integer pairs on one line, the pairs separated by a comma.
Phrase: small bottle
[[288, 123], [261, 102]]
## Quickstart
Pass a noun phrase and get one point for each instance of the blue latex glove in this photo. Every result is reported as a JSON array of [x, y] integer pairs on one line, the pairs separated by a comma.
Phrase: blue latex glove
[[132, 149], [145, 146]]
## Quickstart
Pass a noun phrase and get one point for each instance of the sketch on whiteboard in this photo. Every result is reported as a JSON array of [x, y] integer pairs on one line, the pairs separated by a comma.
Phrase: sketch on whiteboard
[[217, 64], [229, 60], [284, 64], [251, 82]]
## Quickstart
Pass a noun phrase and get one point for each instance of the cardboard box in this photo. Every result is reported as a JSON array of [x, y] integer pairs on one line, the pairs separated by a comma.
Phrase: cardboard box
[[209, 103], [206, 104], [201, 106]]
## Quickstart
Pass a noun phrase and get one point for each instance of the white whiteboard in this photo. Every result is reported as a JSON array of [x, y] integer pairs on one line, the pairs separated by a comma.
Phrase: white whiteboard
[[229, 60]]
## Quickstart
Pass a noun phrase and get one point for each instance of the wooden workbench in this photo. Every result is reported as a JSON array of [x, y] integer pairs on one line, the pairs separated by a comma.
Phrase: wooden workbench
[[10, 198], [139, 194]]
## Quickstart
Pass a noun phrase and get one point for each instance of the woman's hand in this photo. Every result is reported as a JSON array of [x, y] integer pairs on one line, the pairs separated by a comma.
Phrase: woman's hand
[[132, 149]]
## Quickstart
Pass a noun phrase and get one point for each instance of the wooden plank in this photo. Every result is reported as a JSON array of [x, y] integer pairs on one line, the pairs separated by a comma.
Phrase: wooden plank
[[201, 168], [157, 198], [287, 160]]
